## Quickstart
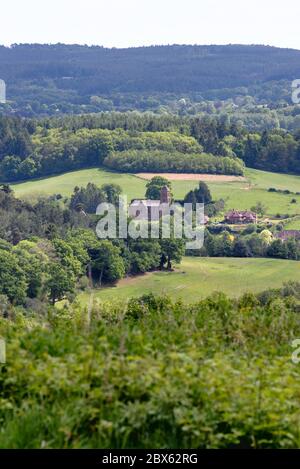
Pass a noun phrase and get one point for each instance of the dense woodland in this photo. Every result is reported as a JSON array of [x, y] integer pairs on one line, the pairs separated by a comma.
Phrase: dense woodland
[[181, 68], [251, 85], [32, 148], [46, 79]]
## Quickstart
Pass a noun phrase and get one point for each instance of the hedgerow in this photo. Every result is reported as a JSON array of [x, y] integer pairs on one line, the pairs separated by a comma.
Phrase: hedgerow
[[163, 161]]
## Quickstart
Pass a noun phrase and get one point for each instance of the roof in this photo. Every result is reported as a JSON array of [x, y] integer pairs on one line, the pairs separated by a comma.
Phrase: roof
[[240, 213], [145, 202]]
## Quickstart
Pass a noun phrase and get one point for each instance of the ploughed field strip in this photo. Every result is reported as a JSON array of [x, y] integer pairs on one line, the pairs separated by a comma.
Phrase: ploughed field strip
[[192, 177]]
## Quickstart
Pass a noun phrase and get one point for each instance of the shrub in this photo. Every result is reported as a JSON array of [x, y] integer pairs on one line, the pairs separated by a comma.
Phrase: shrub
[[214, 374]]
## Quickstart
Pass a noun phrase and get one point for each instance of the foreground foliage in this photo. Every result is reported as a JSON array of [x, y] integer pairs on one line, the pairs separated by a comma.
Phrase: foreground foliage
[[214, 374]]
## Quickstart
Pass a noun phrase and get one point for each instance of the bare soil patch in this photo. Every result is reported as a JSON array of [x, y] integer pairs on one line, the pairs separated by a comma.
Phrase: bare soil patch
[[193, 177]]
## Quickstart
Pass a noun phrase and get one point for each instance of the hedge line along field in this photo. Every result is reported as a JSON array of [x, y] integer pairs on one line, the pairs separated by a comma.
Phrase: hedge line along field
[[238, 195], [195, 278]]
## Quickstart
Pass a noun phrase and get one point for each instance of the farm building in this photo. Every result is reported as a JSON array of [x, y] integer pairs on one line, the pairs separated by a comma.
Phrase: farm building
[[240, 216]]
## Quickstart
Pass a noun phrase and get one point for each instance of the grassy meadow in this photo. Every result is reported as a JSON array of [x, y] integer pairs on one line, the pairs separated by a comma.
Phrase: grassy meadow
[[195, 278], [64, 183], [239, 195]]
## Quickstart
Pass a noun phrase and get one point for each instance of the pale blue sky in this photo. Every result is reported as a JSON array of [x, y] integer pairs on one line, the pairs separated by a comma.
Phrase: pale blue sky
[[124, 23]]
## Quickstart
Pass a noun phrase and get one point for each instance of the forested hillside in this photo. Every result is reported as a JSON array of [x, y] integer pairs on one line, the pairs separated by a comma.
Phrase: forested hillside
[[46, 79], [133, 142]]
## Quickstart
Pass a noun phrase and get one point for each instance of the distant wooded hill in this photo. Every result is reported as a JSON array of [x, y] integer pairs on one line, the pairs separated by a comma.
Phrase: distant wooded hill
[[41, 76]]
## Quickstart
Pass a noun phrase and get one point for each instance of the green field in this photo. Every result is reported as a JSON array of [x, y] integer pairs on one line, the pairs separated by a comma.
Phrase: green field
[[64, 184], [239, 195], [265, 180], [195, 278], [293, 224]]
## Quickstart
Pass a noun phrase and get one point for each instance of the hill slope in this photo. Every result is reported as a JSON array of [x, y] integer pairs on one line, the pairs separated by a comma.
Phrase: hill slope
[[41, 75], [197, 278], [239, 195]]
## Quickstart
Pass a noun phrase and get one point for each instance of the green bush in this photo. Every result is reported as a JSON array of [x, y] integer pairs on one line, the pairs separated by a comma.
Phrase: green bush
[[215, 374]]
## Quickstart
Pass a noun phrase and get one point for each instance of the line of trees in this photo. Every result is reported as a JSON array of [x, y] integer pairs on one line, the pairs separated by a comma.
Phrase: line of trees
[[254, 244], [162, 161]]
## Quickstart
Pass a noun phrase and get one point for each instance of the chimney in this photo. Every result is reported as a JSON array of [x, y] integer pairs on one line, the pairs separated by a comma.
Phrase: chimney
[[165, 196]]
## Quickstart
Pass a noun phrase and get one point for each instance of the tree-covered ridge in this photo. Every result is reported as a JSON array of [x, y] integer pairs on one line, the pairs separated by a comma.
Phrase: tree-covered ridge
[[51, 79], [158, 68]]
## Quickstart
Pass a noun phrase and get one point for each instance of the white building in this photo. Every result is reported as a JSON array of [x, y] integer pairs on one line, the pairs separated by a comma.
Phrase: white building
[[151, 210]]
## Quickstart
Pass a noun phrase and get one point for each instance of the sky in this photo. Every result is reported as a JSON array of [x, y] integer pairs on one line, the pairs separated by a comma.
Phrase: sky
[[129, 23]]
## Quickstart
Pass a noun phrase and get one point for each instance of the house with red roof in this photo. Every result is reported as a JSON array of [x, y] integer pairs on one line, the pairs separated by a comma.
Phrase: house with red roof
[[240, 217]]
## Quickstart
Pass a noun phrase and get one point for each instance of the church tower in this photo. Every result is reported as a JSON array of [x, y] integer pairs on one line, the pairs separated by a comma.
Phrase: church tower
[[165, 196]]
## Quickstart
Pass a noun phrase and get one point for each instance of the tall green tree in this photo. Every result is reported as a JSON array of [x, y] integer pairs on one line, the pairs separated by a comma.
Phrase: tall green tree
[[154, 186], [172, 250], [13, 282], [108, 264], [59, 282]]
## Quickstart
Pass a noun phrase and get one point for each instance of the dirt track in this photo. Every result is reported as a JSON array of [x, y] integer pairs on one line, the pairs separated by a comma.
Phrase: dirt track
[[193, 177]]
